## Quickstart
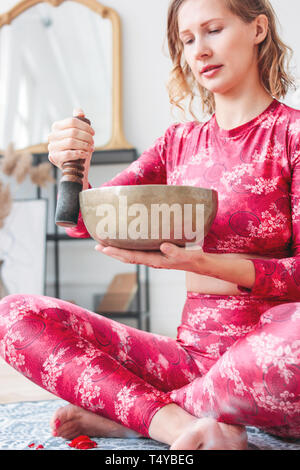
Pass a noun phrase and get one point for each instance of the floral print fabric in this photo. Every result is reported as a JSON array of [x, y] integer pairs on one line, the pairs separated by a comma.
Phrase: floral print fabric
[[92, 361], [256, 380], [230, 360], [236, 358], [256, 170]]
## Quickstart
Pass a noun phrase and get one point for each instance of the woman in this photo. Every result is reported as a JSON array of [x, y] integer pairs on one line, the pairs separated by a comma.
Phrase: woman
[[235, 361]]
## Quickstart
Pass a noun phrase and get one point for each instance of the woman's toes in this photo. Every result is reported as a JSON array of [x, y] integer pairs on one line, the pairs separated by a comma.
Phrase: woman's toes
[[55, 426], [53, 420], [68, 430], [55, 423], [60, 417]]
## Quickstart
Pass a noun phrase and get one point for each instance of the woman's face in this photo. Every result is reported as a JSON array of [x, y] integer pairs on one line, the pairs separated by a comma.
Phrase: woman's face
[[213, 36]]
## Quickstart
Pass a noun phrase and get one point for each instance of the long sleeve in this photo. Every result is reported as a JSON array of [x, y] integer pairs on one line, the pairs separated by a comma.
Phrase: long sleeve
[[280, 278], [149, 168]]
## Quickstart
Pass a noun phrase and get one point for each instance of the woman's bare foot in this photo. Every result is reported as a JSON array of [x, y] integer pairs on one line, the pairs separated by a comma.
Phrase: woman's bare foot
[[183, 431], [208, 434], [71, 421]]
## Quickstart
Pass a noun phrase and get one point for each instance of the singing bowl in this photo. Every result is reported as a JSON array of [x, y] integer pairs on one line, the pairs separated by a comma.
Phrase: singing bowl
[[141, 217]]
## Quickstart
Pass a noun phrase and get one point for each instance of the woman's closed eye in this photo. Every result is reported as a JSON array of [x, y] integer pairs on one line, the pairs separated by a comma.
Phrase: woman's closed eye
[[214, 31], [189, 41]]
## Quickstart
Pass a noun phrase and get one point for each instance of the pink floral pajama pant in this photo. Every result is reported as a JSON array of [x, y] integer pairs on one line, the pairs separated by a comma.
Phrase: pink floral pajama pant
[[236, 358]]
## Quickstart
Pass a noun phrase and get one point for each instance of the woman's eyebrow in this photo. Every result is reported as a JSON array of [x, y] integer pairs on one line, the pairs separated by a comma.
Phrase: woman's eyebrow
[[202, 25]]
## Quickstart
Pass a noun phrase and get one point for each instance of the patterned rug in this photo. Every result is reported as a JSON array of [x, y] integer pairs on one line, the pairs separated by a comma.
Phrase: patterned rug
[[22, 424]]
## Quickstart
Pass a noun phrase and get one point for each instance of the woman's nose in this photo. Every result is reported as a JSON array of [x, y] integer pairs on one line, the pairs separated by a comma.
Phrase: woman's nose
[[202, 49]]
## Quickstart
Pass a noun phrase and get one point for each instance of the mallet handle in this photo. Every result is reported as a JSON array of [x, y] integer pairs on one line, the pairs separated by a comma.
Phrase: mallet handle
[[70, 186]]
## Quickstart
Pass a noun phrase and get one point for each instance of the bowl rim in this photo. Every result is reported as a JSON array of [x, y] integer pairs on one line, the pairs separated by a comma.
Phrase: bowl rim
[[151, 186]]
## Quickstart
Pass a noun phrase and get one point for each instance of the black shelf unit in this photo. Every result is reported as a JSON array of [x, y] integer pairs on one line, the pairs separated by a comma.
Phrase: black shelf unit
[[140, 306]]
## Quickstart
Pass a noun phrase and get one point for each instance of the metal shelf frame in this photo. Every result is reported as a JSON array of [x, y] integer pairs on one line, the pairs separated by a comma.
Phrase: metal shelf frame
[[100, 157]]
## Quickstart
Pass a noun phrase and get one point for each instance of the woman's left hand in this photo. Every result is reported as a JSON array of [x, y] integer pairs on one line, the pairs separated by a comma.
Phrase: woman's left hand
[[170, 256]]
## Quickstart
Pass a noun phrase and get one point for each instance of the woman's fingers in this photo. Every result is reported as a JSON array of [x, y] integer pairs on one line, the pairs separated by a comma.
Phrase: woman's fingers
[[73, 123], [170, 256], [153, 259], [59, 158], [78, 112], [70, 139], [69, 144], [71, 133], [101, 248]]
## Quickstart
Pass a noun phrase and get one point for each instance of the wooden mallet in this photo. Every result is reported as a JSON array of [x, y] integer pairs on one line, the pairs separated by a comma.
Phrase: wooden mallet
[[67, 209]]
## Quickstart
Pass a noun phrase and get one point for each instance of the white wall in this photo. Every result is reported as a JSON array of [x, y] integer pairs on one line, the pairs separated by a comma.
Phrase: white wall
[[146, 116]]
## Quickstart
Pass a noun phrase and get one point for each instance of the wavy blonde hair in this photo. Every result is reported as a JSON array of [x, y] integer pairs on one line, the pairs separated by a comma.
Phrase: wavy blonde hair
[[273, 57]]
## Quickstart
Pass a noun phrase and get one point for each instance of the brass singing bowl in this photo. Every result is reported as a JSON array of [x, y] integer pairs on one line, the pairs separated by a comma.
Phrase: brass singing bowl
[[142, 217]]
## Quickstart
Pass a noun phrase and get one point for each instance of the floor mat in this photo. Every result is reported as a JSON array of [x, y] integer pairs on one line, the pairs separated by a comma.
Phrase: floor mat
[[28, 422]]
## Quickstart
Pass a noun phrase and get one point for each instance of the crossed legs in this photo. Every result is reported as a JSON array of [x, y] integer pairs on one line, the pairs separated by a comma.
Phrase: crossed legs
[[92, 362], [150, 384]]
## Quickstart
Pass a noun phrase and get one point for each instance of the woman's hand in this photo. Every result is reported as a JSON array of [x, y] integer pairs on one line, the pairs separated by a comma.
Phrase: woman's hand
[[170, 256], [71, 139]]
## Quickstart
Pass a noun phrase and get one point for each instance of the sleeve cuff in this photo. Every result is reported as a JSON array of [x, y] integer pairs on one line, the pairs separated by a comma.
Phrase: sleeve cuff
[[264, 269], [244, 289]]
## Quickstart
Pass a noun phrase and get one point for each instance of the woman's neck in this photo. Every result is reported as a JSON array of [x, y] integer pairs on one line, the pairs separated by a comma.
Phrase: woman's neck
[[232, 111]]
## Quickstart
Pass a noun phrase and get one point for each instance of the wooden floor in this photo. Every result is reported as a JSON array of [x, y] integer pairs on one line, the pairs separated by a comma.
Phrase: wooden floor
[[14, 387]]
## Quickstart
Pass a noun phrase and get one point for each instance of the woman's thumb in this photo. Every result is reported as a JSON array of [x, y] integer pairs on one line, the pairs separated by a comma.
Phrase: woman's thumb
[[168, 249], [78, 112]]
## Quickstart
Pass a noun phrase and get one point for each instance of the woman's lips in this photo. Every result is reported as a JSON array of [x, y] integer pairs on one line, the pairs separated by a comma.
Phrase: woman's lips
[[211, 72]]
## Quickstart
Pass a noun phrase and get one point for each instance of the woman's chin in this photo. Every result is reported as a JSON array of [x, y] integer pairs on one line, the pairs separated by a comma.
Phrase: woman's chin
[[218, 85], [218, 89]]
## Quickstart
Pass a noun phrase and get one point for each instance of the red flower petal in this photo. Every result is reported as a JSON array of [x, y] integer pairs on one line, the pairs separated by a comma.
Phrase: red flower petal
[[40, 446], [31, 445], [86, 445], [78, 439]]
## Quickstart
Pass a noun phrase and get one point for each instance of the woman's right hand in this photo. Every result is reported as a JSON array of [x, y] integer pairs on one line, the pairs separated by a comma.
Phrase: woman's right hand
[[71, 139]]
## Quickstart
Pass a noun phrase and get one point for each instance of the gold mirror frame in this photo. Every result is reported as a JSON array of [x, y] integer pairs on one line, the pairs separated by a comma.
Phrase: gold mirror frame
[[117, 140]]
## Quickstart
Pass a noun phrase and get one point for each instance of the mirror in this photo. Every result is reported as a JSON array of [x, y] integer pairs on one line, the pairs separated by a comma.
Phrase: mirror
[[57, 55]]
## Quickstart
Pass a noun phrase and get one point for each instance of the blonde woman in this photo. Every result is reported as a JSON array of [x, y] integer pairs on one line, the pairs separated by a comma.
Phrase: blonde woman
[[236, 358]]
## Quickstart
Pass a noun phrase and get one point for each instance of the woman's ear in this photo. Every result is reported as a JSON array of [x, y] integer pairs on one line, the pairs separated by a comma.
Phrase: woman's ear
[[262, 27]]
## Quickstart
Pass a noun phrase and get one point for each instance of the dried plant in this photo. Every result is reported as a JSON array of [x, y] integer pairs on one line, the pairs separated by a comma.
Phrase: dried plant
[[5, 202], [9, 160], [20, 165], [41, 174]]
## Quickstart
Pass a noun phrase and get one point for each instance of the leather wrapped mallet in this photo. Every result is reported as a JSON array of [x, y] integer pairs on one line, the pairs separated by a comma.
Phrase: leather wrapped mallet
[[67, 209]]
